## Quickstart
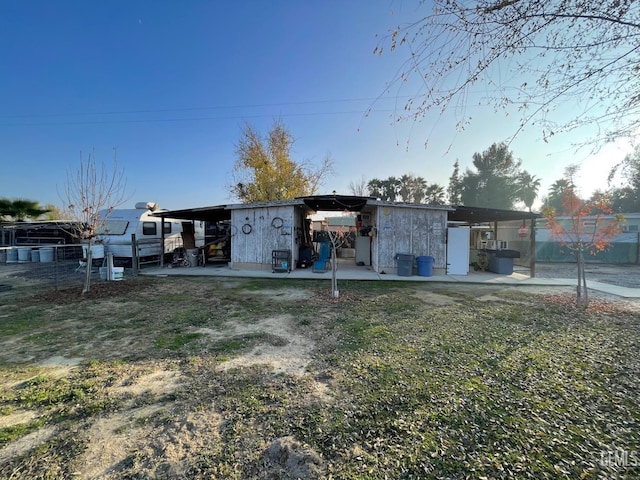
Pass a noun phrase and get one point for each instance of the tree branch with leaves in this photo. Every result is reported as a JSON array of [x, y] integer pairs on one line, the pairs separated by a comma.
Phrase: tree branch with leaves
[[264, 170]]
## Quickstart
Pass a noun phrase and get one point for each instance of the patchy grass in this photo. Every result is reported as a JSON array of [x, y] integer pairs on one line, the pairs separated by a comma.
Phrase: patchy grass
[[515, 385]]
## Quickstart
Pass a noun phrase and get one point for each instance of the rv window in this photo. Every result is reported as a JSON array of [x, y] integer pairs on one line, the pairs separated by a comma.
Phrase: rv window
[[167, 228], [149, 228], [113, 227]]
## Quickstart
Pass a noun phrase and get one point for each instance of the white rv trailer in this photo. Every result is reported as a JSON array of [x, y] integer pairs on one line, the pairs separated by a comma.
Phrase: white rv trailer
[[116, 233]]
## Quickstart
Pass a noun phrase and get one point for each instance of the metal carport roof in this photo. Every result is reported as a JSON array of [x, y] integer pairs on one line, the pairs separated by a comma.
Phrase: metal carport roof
[[473, 215], [462, 213], [335, 202], [207, 214]]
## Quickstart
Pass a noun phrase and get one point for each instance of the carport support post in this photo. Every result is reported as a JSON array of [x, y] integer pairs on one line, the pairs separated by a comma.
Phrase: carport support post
[[532, 248], [56, 267], [161, 242], [134, 254]]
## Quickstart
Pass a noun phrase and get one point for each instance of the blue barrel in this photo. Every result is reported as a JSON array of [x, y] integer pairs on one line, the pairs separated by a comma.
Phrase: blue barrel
[[425, 266]]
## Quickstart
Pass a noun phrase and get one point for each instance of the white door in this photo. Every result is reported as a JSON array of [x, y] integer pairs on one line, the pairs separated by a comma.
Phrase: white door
[[458, 251]]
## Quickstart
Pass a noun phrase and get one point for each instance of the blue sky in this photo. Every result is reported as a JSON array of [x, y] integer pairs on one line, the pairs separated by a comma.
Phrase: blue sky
[[170, 84]]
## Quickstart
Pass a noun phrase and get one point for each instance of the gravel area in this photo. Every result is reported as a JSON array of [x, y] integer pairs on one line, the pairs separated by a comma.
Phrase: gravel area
[[621, 275]]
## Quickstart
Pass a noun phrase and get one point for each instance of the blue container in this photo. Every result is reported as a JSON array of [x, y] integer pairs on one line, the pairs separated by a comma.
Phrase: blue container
[[425, 266]]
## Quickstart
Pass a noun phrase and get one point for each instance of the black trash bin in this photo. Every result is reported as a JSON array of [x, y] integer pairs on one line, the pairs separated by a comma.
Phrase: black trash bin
[[501, 261], [405, 264]]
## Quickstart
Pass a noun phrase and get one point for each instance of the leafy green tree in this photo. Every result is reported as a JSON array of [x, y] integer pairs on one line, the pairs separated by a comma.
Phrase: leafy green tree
[[265, 171], [55, 213], [626, 198], [6, 208], [454, 190], [535, 55], [494, 183], [375, 187]]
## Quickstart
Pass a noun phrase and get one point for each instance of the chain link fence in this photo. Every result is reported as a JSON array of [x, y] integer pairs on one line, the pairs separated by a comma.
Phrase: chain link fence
[[30, 270]]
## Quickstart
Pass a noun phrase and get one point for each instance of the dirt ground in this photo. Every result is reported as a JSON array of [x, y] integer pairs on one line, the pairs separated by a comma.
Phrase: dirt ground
[[143, 388]]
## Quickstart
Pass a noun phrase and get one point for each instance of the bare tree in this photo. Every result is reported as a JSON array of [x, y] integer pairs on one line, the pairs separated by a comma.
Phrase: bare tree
[[337, 238], [359, 187], [90, 189], [533, 55]]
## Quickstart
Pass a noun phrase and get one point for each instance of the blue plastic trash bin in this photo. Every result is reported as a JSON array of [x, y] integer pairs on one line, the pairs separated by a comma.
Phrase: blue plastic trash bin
[[425, 265]]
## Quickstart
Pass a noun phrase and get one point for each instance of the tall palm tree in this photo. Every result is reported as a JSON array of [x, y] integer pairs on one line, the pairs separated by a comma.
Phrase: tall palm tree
[[528, 186], [20, 209], [556, 192], [404, 187], [434, 194], [418, 187], [390, 189]]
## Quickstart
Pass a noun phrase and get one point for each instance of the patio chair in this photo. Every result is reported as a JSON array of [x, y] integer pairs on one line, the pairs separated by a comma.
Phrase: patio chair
[[321, 265]]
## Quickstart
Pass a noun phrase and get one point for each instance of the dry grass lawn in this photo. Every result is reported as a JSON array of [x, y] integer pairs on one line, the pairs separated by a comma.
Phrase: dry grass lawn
[[200, 378]]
